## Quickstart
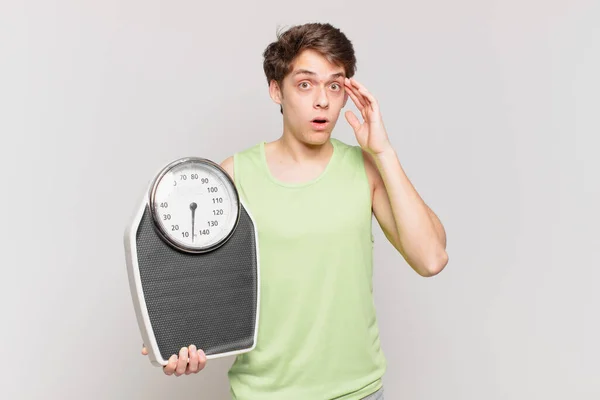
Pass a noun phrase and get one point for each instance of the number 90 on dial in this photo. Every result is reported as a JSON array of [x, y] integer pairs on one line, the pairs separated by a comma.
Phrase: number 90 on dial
[[194, 204]]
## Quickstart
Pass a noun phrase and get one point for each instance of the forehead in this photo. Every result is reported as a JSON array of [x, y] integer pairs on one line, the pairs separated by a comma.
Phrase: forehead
[[309, 62]]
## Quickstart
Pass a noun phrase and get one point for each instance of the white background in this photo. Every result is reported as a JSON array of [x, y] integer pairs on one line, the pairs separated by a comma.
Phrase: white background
[[492, 107]]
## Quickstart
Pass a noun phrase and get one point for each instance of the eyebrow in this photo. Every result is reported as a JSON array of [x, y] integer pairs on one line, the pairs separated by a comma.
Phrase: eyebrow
[[307, 72]]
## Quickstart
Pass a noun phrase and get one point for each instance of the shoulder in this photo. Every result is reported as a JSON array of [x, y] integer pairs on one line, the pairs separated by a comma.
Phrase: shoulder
[[229, 163], [343, 147], [362, 158], [353, 151], [359, 155]]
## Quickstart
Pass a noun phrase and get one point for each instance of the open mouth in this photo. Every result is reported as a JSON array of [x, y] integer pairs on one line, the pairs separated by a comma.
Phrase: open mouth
[[319, 124]]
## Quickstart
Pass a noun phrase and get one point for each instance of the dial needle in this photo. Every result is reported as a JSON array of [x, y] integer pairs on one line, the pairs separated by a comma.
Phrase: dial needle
[[193, 207]]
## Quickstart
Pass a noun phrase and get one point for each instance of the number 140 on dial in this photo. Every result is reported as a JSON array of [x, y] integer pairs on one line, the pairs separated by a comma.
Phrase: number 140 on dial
[[200, 209]]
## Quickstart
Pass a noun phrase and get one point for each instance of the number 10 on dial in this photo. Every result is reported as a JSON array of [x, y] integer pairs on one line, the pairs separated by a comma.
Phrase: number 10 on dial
[[194, 204]]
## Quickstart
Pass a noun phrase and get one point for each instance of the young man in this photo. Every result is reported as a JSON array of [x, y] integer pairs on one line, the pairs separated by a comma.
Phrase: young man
[[313, 198]]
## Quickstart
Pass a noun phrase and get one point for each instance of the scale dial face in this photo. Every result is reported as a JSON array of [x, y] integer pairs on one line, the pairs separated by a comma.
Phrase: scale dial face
[[194, 204]]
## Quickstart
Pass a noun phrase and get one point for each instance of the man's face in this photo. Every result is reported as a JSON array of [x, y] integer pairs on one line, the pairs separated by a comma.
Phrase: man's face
[[312, 96]]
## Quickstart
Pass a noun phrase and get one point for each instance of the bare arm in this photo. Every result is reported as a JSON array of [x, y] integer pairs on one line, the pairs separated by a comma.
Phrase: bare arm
[[407, 222], [227, 165]]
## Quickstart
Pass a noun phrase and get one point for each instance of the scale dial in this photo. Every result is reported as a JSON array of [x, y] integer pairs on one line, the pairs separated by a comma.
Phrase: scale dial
[[194, 204]]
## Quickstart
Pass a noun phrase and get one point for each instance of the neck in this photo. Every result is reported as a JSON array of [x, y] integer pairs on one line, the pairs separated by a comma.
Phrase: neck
[[299, 151]]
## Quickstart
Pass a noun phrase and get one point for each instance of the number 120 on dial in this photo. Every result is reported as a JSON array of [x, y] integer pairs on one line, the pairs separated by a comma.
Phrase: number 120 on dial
[[194, 204]]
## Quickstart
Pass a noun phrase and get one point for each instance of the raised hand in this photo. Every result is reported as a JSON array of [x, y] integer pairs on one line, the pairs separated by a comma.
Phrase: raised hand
[[370, 134]]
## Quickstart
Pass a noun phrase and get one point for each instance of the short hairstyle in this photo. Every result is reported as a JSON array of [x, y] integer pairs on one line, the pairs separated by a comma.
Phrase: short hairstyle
[[323, 38]]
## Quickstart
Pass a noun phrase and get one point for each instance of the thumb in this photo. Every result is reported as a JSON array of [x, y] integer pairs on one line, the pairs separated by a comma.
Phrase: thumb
[[352, 120]]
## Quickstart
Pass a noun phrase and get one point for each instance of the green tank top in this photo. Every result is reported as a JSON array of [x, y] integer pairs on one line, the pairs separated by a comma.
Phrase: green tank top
[[318, 335]]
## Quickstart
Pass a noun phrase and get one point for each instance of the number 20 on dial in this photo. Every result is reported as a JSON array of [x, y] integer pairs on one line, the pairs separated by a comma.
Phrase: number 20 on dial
[[194, 204]]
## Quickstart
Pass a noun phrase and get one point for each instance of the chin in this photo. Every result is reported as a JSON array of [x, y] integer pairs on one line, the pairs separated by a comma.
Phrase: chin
[[317, 138]]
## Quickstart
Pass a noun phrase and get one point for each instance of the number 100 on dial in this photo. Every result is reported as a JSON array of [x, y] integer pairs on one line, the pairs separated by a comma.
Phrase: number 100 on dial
[[194, 204]]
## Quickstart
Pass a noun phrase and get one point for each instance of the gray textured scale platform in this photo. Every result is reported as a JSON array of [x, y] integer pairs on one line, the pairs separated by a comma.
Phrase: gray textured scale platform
[[193, 263]]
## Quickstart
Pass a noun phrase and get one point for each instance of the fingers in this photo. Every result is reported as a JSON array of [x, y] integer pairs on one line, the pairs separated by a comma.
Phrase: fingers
[[201, 362], [363, 90], [352, 120], [353, 93], [189, 361], [144, 351], [361, 93], [169, 369], [192, 366], [182, 362]]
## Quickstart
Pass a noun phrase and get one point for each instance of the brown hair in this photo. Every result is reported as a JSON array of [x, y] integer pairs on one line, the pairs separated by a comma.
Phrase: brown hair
[[323, 38]]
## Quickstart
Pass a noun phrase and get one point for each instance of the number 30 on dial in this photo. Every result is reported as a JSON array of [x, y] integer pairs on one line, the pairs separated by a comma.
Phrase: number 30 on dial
[[194, 204]]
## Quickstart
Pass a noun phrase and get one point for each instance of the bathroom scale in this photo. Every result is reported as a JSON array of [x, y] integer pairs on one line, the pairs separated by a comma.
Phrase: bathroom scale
[[192, 262]]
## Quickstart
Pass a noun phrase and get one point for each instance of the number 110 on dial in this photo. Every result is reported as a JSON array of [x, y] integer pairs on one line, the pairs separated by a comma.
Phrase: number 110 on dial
[[194, 204]]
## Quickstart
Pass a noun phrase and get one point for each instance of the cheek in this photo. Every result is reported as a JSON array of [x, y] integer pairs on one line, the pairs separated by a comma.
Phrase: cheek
[[300, 103], [338, 98]]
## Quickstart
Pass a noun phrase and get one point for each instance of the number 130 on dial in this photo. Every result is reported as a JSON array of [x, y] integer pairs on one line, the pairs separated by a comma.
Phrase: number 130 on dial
[[194, 204]]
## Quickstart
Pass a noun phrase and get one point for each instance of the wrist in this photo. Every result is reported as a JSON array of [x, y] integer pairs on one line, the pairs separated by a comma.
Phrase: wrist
[[387, 152]]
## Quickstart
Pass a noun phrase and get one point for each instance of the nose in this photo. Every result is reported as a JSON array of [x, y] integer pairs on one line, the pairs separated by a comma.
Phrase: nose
[[322, 101]]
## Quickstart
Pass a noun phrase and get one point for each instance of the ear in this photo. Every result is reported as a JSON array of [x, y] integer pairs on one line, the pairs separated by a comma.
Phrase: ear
[[345, 99], [275, 91]]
